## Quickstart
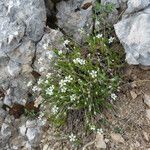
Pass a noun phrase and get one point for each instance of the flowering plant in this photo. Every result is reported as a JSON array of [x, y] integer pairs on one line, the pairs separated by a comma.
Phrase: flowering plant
[[83, 78]]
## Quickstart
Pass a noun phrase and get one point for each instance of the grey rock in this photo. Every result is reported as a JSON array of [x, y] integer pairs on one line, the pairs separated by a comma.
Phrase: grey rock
[[17, 143], [22, 26], [34, 136], [44, 50], [72, 17], [136, 5], [133, 32], [31, 123], [35, 28], [17, 92], [13, 68], [8, 101], [22, 130], [9, 119], [3, 114], [130, 30], [5, 131]]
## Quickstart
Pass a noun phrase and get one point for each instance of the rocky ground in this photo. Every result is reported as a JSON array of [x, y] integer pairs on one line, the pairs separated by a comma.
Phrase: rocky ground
[[126, 126], [29, 31]]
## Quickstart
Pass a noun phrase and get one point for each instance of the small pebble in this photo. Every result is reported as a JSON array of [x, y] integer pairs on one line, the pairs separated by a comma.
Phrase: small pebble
[[117, 138]]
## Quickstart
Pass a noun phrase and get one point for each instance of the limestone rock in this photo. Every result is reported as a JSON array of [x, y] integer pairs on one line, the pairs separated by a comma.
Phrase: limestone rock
[[17, 143], [3, 114], [133, 32], [99, 141], [31, 123], [33, 135], [146, 136], [147, 100], [133, 94], [22, 26], [45, 147], [23, 130], [134, 6], [72, 18], [44, 52], [5, 131]]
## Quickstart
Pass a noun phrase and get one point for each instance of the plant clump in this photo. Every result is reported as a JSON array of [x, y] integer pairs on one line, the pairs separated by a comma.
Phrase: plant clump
[[84, 78]]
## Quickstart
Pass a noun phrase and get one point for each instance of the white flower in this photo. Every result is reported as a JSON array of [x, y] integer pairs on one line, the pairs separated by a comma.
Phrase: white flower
[[113, 96], [92, 127], [72, 137], [49, 91], [79, 61], [93, 74], [43, 121], [76, 60], [97, 23], [110, 87], [35, 88], [41, 69], [46, 81], [40, 81], [41, 115], [100, 130], [48, 75], [68, 79], [62, 83], [99, 36], [55, 109], [60, 52], [111, 39], [90, 108], [40, 60], [63, 89], [73, 97], [50, 55], [66, 42], [81, 30], [29, 84], [45, 46]]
